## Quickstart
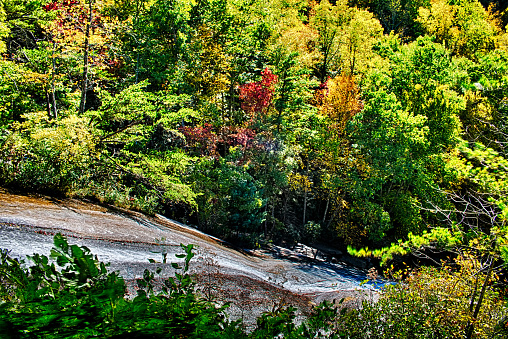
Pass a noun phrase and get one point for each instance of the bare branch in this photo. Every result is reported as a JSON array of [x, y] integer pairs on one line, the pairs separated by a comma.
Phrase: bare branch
[[472, 210]]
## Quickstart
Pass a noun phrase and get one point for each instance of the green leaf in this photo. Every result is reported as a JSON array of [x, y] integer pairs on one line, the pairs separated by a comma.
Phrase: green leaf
[[60, 242]]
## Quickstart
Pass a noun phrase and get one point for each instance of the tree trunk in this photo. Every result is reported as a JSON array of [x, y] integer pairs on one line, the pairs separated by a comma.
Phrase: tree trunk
[[84, 86], [53, 99], [285, 207], [306, 193], [137, 66], [470, 327], [137, 41], [324, 69], [333, 216], [266, 220], [48, 105], [283, 95], [304, 205], [273, 216], [326, 210]]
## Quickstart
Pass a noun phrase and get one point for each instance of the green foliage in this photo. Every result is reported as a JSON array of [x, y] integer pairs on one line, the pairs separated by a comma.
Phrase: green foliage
[[431, 303], [465, 27], [72, 295], [396, 16], [437, 239], [280, 322], [70, 156], [74, 299], [4, 29], [23, 21], [81, 299], [408, 124], [491, 175], [419, 81], [345, 40], [20, 89], [360, 133], [311, 231], [229, 198], [43, 154]]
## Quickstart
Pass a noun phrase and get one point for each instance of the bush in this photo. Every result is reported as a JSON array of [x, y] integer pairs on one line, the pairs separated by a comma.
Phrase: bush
[[79, 298], [432, 303], [68, 157], [43, 154]]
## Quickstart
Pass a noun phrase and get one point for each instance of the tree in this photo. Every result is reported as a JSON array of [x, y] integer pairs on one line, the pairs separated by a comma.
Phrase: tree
[[4, 29], [396, 16], [84, 87], [404, 131], [257, 96], [360, 34], [126, 125], [164, 51], [465, 27], [329, 20], [432, 303], [208, 73], [346, 36], [485, 115]]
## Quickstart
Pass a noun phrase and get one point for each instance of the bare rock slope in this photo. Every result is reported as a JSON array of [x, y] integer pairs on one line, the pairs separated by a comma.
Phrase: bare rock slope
[[252, 282]]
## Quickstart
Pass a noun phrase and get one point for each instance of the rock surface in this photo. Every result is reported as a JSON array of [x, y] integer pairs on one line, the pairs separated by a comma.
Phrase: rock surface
[[252, 282]]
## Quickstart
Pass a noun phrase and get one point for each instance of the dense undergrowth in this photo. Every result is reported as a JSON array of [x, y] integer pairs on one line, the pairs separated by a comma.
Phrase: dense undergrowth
[[73, 295]]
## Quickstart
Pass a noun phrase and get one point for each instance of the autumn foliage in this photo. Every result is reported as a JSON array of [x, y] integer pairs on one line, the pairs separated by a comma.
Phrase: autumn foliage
[[257, 96], [340, 98], [54, 6], [201, 138]]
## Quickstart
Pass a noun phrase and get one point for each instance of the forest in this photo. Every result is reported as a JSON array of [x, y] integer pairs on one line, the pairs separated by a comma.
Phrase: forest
[[379, 127]]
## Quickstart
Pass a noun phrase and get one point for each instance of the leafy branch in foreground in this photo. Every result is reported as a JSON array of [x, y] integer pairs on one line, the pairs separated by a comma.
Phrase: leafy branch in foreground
[[438, 238], [78, 297], [74, 296]]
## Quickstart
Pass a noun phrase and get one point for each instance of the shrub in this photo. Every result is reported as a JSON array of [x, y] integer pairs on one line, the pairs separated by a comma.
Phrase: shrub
[[79, 298], [74, 296], [432, 303]]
